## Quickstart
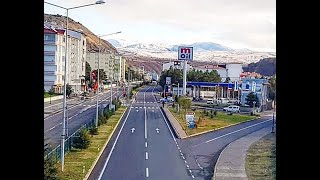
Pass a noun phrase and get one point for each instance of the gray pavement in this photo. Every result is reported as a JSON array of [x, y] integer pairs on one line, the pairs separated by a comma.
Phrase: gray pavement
[[231, 163], [145, 153]]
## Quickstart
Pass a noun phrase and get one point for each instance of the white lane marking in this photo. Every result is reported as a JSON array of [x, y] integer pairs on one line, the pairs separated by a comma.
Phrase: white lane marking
[[234, 132], [53, 127], [185, 162], [147, 155], [147, 172], [192, 176], [145, 123], [146, 144], [71, 107], [140, 107], [190, 171], [114, 144], [187, 166]]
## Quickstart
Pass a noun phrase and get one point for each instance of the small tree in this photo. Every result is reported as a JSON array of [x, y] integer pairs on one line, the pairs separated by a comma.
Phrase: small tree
[[83, 140], [50, 168], [69, 90], [252, 97], [184, 103]]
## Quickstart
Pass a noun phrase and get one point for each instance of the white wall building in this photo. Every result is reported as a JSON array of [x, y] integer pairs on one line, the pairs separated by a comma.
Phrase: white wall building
[[119, 68], [54, 56], [76, 65], [231, 70]]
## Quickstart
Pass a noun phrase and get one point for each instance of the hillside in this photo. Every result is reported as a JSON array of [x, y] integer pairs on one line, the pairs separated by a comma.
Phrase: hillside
[[265, 67], [92, 39]]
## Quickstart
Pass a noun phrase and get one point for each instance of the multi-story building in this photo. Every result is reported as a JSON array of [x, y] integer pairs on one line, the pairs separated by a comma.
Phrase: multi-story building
[[76, 65], [119, 68], [54, 57], [106, 62]]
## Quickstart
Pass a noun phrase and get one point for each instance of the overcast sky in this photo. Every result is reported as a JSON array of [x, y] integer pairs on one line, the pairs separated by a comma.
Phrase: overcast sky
[[233, 23]]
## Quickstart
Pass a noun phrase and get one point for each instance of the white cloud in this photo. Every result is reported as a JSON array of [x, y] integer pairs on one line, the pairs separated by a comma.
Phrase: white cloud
[[248, 22]]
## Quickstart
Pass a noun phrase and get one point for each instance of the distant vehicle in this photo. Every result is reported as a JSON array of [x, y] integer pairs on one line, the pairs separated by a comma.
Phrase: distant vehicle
[[232, 109], [168, 99], [210, 101]]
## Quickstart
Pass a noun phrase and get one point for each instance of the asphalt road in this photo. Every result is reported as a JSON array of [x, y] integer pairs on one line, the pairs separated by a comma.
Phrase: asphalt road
[[203, 151], [148, 152], [79, 113]]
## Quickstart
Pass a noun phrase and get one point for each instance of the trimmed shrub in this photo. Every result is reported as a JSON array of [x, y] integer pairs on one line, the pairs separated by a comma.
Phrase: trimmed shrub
[[82, 141]]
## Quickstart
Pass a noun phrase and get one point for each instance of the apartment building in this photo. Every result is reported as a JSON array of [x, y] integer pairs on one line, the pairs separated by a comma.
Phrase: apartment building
[[54, 57], [106, 62]]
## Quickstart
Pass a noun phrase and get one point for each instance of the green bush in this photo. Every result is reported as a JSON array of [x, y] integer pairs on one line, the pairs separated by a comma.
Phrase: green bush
[[207, 113], [49, 167], [82, 141], [215, 112], [101, 120], [211, 115], [94, 130]]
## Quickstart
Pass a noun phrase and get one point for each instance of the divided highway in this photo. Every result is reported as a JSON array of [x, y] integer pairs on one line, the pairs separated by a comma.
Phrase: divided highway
[[144, 147], [78, 113]]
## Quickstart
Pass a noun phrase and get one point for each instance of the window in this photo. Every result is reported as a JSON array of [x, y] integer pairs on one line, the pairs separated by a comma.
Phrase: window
[[50, 37], [50, 48], [48, 58]]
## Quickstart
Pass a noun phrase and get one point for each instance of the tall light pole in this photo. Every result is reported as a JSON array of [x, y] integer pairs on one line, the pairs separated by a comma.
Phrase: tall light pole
[[98, 78], [65, 76]]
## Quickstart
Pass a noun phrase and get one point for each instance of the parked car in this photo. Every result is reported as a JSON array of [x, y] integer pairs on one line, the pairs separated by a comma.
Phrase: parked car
[[210, 101], [232, 109]]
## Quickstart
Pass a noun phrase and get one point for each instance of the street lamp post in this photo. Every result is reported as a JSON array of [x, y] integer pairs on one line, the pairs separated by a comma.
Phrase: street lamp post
[[98, 78], [65, 76]]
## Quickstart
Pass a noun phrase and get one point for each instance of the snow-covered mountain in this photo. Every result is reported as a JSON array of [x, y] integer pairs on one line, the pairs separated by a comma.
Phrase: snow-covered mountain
[[202, 51]]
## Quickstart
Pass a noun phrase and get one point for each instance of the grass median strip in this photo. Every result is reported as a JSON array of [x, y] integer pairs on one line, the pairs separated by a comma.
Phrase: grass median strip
[[78, 162], [208, 122], [261, 158]]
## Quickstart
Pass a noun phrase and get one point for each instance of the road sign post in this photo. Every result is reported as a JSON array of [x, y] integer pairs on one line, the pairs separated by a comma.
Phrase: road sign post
[[185, 54]]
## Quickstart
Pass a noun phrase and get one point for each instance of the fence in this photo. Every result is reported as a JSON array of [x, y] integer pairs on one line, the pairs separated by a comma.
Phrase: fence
[[56, 152]]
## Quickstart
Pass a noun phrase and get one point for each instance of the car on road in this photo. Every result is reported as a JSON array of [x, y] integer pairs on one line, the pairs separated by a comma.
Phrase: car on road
[[167, 99], [209, 101], [232, 108]]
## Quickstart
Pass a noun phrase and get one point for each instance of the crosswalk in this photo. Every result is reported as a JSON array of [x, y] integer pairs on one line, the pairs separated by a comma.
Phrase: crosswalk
[[140, 107], [145, 102]]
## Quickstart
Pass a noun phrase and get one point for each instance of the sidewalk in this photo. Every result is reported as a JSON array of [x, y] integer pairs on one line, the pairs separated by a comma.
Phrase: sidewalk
[[231, 162]]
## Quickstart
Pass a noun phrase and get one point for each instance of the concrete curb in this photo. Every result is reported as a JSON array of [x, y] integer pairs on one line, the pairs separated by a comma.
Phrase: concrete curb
[[200, 133], [197, 134], [104, 146], [173, 127], [215, 166]]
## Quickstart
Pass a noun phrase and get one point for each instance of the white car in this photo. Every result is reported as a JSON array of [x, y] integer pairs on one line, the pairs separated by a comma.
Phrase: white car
[[232, 109], [210, 101]]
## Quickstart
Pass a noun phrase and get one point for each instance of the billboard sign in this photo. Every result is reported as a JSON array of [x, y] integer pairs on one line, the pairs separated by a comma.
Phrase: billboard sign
[[185, 53]]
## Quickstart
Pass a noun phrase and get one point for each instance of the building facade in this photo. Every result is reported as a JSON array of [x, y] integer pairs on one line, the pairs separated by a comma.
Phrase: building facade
[[54, 57], [119, 68], [107, 63], [77, 56], [259, 87]]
